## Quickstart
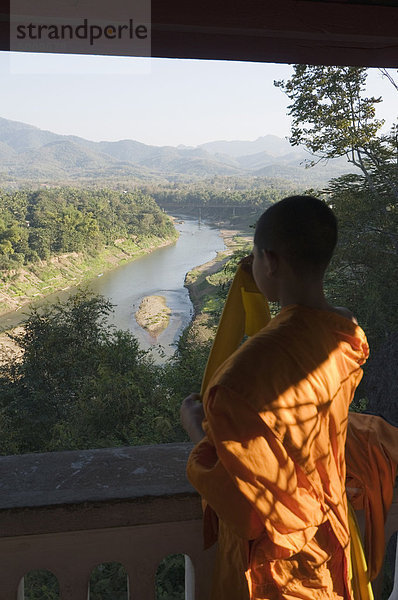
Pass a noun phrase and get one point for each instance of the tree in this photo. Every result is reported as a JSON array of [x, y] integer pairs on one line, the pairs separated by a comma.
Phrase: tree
[[363, 271], [333, 118], [390, 78], [80, 384]]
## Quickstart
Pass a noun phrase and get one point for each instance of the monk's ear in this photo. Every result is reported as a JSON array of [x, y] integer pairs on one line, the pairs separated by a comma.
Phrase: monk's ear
[[271, 262]]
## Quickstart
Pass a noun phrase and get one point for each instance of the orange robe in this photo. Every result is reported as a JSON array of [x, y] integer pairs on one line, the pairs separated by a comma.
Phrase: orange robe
[[372, 460], [271, 466]]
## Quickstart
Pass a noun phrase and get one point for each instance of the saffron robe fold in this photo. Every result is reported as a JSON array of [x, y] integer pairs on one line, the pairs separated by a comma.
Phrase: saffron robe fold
[[372, 459], [246, 311], [272, 463]]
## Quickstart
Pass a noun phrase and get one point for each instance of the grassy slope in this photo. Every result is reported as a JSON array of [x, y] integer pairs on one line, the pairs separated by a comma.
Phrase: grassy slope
[[67, 270]]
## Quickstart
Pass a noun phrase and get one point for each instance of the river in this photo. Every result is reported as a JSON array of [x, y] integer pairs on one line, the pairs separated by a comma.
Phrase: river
[[162, 272]]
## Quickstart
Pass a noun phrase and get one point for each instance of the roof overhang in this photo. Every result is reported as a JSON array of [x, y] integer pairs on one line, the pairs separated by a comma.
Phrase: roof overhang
[[330, 32]]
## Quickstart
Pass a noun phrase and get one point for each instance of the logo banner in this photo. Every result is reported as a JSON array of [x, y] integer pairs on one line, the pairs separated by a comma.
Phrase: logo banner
[[81, 26]]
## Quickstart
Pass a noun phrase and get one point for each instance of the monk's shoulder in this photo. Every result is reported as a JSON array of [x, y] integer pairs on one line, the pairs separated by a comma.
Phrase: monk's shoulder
[[281, 353]]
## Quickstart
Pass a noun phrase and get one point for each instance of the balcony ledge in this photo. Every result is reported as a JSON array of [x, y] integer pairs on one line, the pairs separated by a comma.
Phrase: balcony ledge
[[58, 491]]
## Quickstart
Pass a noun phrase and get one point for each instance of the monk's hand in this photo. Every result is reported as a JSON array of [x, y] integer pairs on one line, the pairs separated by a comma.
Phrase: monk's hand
[[192, 415]]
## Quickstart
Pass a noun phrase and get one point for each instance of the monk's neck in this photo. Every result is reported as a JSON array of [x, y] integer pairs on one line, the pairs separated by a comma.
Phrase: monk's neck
[[305, 293]]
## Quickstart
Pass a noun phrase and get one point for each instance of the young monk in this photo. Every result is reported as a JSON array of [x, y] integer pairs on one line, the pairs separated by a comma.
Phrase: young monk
[[269, 460]]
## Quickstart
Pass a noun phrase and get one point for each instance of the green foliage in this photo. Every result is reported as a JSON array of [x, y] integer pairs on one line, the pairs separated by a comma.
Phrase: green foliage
[[39, 224], [381, 382], [170, 578], [80, 384], [330, 115], [255, 193], [41, 585], [108, 581], [363, 271], [183, 373]]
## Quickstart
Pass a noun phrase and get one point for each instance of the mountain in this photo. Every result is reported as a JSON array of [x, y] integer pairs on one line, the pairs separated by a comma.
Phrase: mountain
[[29, 154], [255, 161], [271, 144], [21, 137]]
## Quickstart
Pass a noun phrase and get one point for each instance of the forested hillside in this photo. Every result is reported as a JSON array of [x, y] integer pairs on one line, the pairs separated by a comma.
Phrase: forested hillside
[[29, 154], [35, 225], [224, 191]]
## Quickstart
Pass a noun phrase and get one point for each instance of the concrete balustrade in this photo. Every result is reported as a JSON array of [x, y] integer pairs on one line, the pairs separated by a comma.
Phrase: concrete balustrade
[[68, 512]]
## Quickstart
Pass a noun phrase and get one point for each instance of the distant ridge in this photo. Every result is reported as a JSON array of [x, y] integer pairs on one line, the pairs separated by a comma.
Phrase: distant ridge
[[271, 144], [30, 154]]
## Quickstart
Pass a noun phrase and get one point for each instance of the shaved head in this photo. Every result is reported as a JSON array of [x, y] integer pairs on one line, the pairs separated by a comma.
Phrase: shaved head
[[301, 229]]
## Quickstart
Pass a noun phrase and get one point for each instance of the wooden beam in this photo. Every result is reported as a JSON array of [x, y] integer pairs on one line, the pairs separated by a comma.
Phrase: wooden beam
[[303, 31], [343, 32]]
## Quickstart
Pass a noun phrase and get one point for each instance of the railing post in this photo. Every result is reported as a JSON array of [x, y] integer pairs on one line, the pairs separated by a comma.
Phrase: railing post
[[73, 585], [189, 579], [21, 590], [204, 566]]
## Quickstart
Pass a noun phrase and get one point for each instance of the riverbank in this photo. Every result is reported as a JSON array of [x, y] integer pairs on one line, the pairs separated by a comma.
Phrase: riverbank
[[204, 281], [59, 273]]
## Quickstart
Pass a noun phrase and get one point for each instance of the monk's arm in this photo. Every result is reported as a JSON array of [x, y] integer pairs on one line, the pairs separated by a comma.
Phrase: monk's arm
[[210, 478], [208, 475]]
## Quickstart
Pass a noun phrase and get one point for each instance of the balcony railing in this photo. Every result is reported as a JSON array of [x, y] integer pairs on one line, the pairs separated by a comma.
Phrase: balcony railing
[[68, 512]]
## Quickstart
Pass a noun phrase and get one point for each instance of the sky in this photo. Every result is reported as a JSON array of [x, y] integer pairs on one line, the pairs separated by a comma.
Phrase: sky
[[154, 101]]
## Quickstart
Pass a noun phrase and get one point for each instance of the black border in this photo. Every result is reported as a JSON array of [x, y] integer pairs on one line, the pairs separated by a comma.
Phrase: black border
[[5, 25]]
